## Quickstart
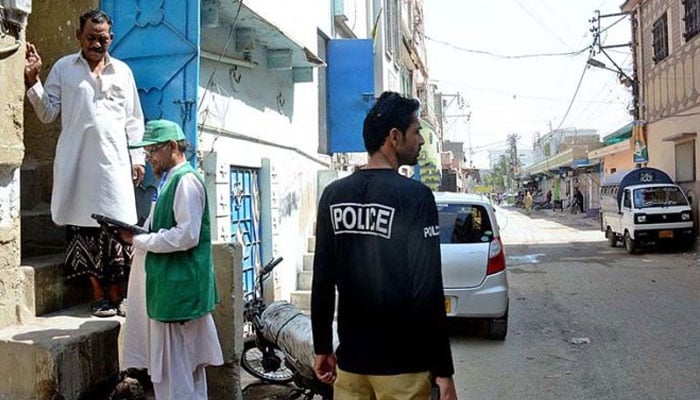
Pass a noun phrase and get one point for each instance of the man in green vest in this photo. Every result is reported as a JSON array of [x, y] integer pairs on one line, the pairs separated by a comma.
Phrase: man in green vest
[[169, 327]]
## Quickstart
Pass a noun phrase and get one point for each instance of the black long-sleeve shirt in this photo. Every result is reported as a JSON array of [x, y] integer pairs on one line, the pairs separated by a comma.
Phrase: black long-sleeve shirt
[[377, 242]]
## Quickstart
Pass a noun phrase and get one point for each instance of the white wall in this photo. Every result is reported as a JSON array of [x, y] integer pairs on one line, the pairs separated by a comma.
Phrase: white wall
[[298, 18], [249, 115]]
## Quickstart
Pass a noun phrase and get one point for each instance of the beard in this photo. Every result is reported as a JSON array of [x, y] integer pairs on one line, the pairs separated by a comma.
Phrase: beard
[[409, 159]]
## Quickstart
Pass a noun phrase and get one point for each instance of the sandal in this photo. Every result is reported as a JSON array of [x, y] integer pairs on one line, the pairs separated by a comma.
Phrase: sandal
[[103, 308]]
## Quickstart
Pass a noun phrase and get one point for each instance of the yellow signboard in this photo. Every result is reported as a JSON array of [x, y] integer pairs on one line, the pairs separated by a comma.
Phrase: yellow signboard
[[483, 189]]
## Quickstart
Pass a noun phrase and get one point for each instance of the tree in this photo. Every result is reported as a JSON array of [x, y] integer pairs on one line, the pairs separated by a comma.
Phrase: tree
[[498, 178]]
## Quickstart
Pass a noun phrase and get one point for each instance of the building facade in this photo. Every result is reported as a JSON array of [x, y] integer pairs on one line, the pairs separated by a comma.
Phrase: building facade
[[666, 38], [561, 164]]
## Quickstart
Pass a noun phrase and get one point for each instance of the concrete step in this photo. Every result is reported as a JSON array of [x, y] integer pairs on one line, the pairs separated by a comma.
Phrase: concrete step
[[39, 234], [304, 279], [61, 355], [311, 244], [51, 291], [308, 262], [301, 299]]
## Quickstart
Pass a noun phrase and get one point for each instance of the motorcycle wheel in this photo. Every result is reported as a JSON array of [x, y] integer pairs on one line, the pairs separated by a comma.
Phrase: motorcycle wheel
[[252, 362]]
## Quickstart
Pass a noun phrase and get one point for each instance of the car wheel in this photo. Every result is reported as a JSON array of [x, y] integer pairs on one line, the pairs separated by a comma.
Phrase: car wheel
[[612, 237], [497, 328], [630, 245]]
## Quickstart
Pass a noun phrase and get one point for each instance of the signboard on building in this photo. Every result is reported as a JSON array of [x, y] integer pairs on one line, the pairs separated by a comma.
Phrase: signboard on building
[[639, 143]]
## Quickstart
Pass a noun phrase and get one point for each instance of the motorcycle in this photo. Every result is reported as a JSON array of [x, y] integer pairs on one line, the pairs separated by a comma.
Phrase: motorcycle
[[542, 205], [280, 348]]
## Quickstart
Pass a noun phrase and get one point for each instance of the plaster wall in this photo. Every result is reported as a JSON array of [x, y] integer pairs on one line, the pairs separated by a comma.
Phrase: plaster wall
[[661, 152], [619, 161], [248, 115], [12, 280], [293, 192]]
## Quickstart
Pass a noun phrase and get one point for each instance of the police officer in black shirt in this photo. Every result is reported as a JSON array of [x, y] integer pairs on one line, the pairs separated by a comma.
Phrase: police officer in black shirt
[[378, 245]]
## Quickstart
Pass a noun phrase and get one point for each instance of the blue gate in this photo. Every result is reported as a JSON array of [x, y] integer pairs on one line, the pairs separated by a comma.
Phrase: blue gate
[[159, 40], [245, 221]]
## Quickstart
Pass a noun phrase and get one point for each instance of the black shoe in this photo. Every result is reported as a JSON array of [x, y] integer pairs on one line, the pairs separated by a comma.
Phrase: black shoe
[[103, 308]]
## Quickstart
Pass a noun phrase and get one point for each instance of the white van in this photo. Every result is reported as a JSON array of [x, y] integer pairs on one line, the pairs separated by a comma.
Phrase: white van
[[643, 207]]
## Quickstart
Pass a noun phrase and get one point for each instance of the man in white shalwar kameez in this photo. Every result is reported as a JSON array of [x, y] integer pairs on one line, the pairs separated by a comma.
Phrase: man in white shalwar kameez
[[94, 172], [169, 327]]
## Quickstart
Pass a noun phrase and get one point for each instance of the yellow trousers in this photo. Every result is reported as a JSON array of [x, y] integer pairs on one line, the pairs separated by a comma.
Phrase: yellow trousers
[[349, 386]]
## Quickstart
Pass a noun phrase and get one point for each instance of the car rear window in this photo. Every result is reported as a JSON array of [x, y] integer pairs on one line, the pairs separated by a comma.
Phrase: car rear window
[[464, 223]]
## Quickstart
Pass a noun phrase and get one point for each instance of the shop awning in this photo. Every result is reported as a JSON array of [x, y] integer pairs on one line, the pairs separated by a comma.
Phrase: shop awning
[[619, 135]]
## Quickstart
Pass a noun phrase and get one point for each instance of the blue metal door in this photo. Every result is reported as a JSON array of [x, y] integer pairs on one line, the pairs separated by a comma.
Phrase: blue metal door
[[350, 79], [245, 221], [159, 39]]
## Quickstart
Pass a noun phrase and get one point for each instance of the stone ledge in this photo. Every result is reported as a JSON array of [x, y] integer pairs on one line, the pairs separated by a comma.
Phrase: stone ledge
[[51, 291], [67, 354]]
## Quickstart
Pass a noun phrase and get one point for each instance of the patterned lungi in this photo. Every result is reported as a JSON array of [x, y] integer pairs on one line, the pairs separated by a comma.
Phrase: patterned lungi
[[95, 252]]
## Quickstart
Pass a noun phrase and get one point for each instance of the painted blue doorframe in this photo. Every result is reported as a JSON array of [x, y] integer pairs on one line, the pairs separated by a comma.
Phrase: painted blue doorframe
[[159, 40], [245, 221]]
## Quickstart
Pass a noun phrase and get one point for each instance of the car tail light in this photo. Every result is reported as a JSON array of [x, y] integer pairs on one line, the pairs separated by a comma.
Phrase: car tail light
[[497, 257]]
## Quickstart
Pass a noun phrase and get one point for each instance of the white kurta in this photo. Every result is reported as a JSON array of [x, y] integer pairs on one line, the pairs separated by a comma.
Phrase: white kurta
[[92, 169], [165, 348]]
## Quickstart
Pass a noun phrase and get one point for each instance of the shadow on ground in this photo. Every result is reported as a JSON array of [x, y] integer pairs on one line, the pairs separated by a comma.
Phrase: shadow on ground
[[271, 391]]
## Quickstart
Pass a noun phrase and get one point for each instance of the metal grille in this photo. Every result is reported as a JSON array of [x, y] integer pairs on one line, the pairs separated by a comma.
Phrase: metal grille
[[691, 18], [660, 38], [661, 218], [245, 221]]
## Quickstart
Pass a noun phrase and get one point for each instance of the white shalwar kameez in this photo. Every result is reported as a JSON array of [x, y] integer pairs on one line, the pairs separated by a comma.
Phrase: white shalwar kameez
[[175, 354], [99, 114]]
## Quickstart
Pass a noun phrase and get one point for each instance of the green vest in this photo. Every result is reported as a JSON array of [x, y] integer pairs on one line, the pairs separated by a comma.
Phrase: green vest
[[180, 286]]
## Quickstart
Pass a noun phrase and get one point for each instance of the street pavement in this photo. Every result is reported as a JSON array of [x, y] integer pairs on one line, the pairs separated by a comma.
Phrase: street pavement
[[586, 321]]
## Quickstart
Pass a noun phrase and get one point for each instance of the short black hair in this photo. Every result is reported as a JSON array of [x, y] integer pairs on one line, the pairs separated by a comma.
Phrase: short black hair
[[391, 110], [97, 17], [183, 145]]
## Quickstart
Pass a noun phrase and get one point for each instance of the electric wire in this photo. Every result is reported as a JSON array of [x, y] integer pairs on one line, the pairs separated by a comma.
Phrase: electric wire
[[588, 116], [510, 94], [573, 98], [613, 24], [221, 53], [218, 62], [504, 56], [542, 24]]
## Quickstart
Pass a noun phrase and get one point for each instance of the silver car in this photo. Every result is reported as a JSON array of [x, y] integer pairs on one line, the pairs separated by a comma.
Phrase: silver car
[[473, 261]]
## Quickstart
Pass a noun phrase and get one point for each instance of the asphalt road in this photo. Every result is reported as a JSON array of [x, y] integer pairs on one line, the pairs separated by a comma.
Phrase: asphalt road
[[586, 321]]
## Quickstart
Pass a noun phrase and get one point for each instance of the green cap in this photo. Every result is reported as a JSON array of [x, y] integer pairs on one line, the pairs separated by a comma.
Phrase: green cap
[[159, 131]]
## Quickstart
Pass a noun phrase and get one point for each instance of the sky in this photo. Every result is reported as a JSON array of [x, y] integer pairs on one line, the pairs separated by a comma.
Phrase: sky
[[471, 51]]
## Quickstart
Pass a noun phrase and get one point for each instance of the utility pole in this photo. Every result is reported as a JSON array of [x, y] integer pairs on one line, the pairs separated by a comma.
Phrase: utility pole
[[598, 47], [513, 155], [444, 104]]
